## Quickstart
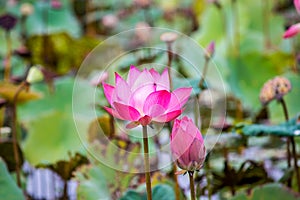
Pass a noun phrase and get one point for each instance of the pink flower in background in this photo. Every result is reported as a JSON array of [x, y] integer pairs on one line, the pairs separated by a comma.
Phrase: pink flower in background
[[187, 145], [292, 31], [99, 79], [145, 97], [297, 5]]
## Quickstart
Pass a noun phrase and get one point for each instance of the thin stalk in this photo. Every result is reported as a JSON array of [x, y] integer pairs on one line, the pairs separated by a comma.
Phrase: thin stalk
[[192, 185], [65, 192], [266, 20], [208, 178], [292, 141], [294, 51], [147, 163], [201, 82], [170, 57], [176, 186], [14, 132], [197, 110], [236, 26], [8, 56]]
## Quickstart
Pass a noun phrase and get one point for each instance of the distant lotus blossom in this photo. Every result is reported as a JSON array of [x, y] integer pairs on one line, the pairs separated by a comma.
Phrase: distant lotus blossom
[[292, 31], [187, 145], [297, 5], [56, 4], [110, 21], [99, 79], [145, 97]]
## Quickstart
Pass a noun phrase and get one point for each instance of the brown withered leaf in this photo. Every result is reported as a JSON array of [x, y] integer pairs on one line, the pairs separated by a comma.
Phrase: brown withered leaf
[[8, 91]]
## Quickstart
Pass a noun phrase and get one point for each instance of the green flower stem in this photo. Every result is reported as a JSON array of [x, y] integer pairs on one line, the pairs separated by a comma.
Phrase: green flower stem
[[292, 141], [236, 26], [192, 185], [14, 131], [266, 22], [201, 82], [147, 163], [170, 57], [176, 186], [8, 56]]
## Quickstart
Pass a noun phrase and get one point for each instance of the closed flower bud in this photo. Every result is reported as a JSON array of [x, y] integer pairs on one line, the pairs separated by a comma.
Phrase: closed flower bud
[[34, 75], [168, 37], [210, 50], [26, 9], [297, 5], [187, 145], [8, 21]]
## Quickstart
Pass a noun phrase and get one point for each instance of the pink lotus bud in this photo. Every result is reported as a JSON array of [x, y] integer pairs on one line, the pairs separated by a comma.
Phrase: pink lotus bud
[[145, 97], [210, 50], [292, 31], [187, 145], [297, 5]]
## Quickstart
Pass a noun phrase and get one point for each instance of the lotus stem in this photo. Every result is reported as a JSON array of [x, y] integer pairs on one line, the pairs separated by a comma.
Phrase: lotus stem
[[8, 57], [236, 32], [266, 19], [170, 57], [147, 163], [201, 82], [176, 186], [292, 141], [14, 132], [192, 185]]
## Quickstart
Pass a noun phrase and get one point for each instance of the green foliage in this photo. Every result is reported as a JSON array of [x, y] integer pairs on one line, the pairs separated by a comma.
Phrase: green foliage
[[159, 192], [50, 124], [8, 188], [268, 191], [92, 184]]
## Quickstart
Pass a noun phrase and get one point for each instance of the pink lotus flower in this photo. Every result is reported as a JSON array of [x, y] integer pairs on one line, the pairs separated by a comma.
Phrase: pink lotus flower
[[297, 5], [145, 97], [292, 31], [187, 145]]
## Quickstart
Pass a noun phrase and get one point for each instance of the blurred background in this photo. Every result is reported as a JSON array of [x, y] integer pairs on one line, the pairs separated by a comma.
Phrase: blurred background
[[43, 154]]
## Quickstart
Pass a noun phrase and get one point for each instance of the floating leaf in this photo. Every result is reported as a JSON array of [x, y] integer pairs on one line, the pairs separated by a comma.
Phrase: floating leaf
[[8, 187], [50, 123], [286, 129]]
